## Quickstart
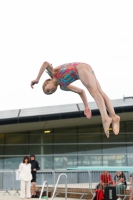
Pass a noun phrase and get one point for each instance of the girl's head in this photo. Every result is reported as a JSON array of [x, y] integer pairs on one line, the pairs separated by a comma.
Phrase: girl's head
[[49, 86], [26, 159]]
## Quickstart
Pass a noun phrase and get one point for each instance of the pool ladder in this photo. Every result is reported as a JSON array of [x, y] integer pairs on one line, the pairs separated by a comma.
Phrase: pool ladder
[[46, 183]]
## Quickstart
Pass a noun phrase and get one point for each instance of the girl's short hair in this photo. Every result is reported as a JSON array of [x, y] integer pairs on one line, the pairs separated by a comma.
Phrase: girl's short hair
[[45, 83], [26, 157]]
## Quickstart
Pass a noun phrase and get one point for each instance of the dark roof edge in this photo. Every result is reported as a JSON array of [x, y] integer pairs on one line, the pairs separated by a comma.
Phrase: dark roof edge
[[59, 116]]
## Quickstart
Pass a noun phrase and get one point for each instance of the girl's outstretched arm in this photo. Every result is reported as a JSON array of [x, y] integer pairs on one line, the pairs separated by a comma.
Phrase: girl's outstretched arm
[[42, 69], [82, 94]]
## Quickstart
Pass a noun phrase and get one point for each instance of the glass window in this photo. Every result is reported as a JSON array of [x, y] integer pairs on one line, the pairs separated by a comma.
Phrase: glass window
[[65, 149], [18, 138], [2, 138], [89, 160], [35, 137], [48, 149], [114, 148], [1, 163], [130, 159], [130, 148], [46, 162], [89, 149], [129, 126], [16, 150], [48, 137], [129, 137], [12, 162], [89, 138], [113, 138], [63, 162], [114, 160], [89, 134], [90, 129], [65, 138], [36, 149], [1, 150], [65, 130]]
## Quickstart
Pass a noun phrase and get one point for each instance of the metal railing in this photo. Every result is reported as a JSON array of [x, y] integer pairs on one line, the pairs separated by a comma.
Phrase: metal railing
[[45, 183], [81, 182], [6, 180], [57, 185], [45, 175], [78, 182]]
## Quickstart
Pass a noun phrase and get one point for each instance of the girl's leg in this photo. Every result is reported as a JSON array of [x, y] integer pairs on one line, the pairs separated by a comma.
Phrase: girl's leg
[[108, 103], [89, 81]]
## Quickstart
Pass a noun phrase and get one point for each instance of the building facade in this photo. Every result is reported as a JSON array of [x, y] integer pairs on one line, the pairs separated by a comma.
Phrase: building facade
[[61, 137]]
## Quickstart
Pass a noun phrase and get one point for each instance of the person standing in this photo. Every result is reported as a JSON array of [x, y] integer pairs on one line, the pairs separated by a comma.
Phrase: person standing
[[34, 167], [25, 177]]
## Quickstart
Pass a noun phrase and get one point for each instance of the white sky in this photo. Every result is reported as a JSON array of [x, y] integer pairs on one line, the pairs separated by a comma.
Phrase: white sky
[[99, 33]]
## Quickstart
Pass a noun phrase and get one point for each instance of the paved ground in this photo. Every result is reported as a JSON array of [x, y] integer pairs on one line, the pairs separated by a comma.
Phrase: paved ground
[[17, 197]]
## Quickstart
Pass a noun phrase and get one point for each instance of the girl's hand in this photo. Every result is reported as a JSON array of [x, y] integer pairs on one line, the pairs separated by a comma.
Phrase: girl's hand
[[87, 112], [33, 83]]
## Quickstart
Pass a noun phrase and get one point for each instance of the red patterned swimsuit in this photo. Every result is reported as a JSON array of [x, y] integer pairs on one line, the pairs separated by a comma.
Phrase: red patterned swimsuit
[[67, 74]]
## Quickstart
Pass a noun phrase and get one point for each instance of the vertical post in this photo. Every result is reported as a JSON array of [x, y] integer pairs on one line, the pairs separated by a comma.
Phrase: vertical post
[[66, 189], [90, 180], [42, 163]]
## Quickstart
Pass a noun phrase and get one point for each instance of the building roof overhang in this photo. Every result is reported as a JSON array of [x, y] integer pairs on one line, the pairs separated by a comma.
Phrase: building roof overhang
[[58, 116]]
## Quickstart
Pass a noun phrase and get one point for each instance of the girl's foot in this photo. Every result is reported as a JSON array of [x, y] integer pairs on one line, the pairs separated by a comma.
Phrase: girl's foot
[[106, 125], [116, 124]]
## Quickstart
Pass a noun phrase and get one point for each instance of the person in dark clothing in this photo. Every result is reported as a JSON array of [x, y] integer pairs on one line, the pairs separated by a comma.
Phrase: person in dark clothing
[[34, 167]]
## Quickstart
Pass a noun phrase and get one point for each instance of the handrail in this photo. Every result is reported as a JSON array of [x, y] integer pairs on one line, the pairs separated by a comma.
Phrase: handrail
[[45, 183], [57, 185]]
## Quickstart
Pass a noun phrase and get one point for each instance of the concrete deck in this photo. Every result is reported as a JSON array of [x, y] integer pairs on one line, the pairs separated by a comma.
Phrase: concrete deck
[[17, 197]]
